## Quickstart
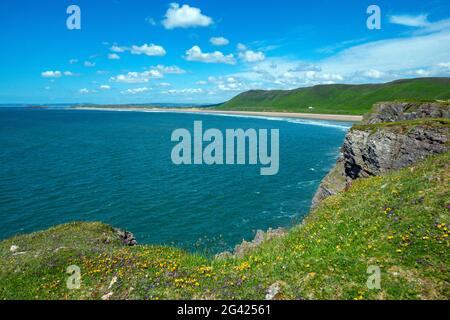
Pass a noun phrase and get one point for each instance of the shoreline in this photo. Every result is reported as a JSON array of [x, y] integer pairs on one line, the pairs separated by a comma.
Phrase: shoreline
[[314, 116]]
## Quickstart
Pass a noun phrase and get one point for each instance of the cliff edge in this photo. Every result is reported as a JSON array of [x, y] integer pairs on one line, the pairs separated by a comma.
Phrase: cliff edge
[[393, 136]]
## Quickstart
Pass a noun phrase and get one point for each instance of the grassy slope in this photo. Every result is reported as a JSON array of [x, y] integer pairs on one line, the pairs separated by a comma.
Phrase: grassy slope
[[340, 99], [402, 126], [398, 222]]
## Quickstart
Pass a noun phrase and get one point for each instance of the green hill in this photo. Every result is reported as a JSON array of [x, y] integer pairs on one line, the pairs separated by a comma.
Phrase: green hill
[[340, 98]]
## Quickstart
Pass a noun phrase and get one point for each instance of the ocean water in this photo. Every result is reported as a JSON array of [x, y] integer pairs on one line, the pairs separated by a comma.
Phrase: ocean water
[[60, 165]]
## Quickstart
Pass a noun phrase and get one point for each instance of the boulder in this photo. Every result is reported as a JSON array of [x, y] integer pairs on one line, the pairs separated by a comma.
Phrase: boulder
[[127, 238]]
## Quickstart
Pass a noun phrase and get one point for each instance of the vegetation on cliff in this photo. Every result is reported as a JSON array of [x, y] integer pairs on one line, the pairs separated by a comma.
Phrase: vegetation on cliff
[[398, 222], [340, 98], [402, 126]]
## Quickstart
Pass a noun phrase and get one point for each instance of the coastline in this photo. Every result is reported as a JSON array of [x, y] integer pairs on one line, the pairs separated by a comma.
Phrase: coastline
[[279, 260], [331, 117]]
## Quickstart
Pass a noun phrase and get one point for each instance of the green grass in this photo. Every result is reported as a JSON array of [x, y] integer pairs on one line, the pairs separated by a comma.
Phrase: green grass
[[398, 222], [402, 126], [340, 98]]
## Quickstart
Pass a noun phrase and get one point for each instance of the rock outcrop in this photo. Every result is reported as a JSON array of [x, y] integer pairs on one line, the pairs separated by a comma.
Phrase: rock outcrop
[[400, 111], [393, 136], [126, 237], [245, 247]]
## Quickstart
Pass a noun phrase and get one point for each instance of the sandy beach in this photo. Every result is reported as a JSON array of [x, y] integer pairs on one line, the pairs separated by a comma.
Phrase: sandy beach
[[331, 117]]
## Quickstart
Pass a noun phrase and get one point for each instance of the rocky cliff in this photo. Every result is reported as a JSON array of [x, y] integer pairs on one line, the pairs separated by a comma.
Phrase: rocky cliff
[[393, 136], [401, 111]]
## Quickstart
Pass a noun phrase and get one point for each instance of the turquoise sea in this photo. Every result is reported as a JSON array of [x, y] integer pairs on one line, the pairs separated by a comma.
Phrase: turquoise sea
[[61, 165]]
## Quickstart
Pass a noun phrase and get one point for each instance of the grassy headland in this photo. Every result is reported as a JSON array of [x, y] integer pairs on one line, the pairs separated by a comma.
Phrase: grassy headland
[[398, 222], [340, 98]]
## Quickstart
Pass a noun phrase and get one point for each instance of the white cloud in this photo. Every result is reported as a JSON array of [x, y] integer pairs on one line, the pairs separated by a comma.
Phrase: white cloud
[[196, 54], [84, 91], [155, 72], [232, 84], [184, 91], [73, 61], [251, 56], [117, 49], [378, 61], [236, 86], [201, 83], [89, 64], [444, 65], [51, 74], [136, 90], [151, 21], [305, 67], [392, 55], [149, 50], [185, 17], [113, 56], [219, 41], [341, 45], [373, 74], [410, 20], [163, 84], [169, 69], [276, 73], [434, 27], [138, 77], [105, 87], [419, 73], [241, 47], [314, 75], [57, 74], [146, 49]]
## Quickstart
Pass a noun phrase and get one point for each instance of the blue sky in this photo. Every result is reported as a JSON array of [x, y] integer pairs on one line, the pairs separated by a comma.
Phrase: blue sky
[[204, 51]]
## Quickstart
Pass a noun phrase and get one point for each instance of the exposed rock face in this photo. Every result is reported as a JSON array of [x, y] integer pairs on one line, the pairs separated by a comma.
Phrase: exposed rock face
[[371, 154], [401, 111], [375, 149], [245, 247], [127, 238], [334, 182], [261, 236]]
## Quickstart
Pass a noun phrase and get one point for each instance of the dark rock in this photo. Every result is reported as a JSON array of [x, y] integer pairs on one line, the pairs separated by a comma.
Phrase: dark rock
[[367, 153], [401, 111], [419, 200], [127, 238], [334, 182]]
